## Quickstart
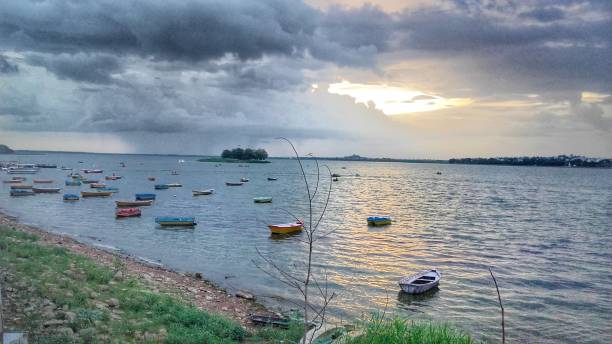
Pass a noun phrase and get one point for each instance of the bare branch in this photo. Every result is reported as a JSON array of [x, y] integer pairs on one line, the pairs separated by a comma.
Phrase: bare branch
[[500, 306]]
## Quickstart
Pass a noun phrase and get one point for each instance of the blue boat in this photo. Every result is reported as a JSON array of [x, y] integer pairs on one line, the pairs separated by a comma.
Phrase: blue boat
[[161, 187], [108, 189], [73, 183], [21, 192], [175, 221], [379, 220], [71, 197], [145, 196]]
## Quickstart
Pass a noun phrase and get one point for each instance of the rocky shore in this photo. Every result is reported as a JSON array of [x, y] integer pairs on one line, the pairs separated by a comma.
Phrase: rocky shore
[[189, 287]]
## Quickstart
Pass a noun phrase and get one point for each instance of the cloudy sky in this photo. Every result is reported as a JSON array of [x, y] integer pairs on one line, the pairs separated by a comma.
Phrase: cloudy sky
[[427, 79]]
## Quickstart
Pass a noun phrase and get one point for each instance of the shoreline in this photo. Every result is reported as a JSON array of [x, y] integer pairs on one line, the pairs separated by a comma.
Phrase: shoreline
[[193, 287]]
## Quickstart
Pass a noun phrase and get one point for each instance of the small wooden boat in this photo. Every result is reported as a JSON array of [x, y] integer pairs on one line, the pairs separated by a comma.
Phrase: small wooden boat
[[71, 197], [89, 181], [145, 196], [151, 178], [20, 187], [46, 165], [97, 185], [262, 199], [95, 194], [66, 168], [286, 228], [43, 181], [203, 192], [94, 170], [76, 176], [21, 192], [133, 203], [21, 179], [161, 187], [12, 181], [267, 320], [174, 185], [46, 190], [113, 177], [73, 183], [420, 282], [233, 184], [244, 180], [22, 171], [175, 221], [272, 179], [128, 212], [109, 189], [379, 220]]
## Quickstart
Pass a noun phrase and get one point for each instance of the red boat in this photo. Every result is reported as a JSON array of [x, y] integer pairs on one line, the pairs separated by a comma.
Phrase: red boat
[[127, 212]]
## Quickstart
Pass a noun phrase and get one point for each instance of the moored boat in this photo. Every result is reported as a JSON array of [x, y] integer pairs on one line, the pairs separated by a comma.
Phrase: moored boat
[[73, 183], [46, 190], [420, 282], [272, 179], [145, 196], [20, 187], [21, 192], [97, 185], [174, 185], [286, 228], [12, 181], [379, 220], [93, 170], [22, 171], [89, 181], [128, 212], [262, 199], [233, 183], [203, 192], [113, 177], [71, 197], [96, 194], [151, 178], [244, 180], [175, 221], [109, 189], [46, 165], [133, 203], [42, 181], [161, 187]]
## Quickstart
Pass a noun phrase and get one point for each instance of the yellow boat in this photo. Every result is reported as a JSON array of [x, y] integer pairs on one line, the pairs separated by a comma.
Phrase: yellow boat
[[287, 228]]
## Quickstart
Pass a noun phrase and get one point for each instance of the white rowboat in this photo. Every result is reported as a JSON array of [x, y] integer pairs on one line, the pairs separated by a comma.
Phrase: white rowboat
[[420, 282]]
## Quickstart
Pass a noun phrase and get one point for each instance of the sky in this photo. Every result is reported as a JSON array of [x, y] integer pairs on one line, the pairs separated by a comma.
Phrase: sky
[[385, 78]]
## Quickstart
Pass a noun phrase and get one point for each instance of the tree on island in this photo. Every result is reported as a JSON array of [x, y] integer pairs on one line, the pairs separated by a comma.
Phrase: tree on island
[[4, 149], [245, 154]]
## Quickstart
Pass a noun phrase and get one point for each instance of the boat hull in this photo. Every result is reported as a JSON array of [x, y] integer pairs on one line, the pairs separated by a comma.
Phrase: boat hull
[[145, 197], [286, 229], [133, 203], [202, 193], [46, 190], [96, 194], [128, 212], [176, 221], [262, 199]]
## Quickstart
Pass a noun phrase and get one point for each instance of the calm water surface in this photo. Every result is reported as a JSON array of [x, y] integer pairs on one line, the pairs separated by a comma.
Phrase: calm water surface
[[546, 231]]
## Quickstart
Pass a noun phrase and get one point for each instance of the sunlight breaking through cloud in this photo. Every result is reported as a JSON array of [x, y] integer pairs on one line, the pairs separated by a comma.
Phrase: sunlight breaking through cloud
[[394, 100]]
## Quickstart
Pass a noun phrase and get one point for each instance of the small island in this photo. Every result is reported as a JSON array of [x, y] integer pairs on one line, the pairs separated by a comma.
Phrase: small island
[[4, 149], [247, 155]]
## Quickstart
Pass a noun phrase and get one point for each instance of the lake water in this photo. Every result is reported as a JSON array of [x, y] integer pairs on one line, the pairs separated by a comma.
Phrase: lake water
[[547, 233]]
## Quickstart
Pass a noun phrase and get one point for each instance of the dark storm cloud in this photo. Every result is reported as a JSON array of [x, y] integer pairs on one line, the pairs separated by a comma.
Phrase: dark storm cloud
[[6, 67], [93, 68], [173, 31], [544, 14]]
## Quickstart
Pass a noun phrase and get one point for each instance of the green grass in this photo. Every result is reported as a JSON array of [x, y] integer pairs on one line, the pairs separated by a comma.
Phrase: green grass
[[82, 288], [398, 331]]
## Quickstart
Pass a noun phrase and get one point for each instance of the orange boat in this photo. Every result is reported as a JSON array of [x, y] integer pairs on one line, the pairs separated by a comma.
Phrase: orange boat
[[128, 212], [43, 181], [287, 228]]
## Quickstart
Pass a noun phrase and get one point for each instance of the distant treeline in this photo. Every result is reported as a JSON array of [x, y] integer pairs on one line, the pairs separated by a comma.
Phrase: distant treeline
[[245, 154], [561, 160], [356, 157]]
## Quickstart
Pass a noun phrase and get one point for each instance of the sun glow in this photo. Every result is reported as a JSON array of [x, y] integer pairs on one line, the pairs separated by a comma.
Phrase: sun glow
[[393, 100]]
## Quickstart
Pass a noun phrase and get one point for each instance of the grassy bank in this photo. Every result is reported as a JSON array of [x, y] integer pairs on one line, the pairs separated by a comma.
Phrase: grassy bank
[[60, 297], [399, 331], [233, 161]]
